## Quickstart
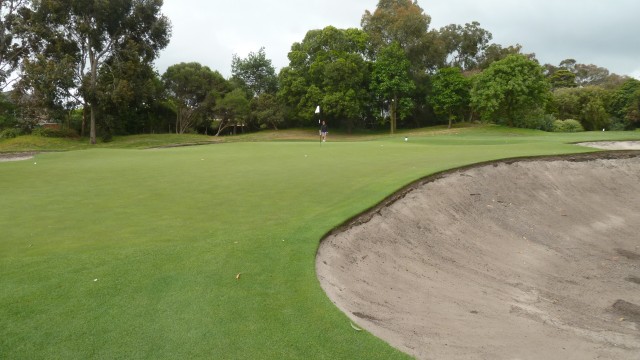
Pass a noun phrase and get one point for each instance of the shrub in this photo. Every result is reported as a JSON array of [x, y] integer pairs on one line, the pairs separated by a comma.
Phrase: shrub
[[55, 133], [540, 121], [568, 125], [619, 125], [10, 133]]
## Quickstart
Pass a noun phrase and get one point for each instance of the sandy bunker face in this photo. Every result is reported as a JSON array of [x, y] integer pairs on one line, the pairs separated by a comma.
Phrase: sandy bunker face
[[536, 259]]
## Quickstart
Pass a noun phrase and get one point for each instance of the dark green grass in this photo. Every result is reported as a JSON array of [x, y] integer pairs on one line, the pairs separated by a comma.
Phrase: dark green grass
[[166, 231]]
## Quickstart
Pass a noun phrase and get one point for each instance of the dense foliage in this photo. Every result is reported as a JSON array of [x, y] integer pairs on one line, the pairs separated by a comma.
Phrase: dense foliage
[[72, 62]]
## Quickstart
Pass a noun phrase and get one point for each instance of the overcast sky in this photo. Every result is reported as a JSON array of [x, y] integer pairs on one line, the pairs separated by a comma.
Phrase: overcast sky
[[600, 32]]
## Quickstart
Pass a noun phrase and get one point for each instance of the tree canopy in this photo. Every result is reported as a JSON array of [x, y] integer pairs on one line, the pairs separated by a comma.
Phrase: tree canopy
[[192, 90], [327, 68], [450, 94], [66, 60], [88, 34], [509, 88], [392, 83]]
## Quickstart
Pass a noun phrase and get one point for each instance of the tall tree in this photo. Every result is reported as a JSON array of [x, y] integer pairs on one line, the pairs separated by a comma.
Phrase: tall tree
[[98, 31], [509, 88], [193, 89], [562, 78], [392, 83], [327, 68], [450, 93], [404, 22], [625, 104], [129, 94], [232, 110], [495, 52], [465, 45], [12, 45], [268, 111], [256, 73]]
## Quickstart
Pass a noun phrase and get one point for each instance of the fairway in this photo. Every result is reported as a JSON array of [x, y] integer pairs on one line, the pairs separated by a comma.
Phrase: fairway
[[206, 251]]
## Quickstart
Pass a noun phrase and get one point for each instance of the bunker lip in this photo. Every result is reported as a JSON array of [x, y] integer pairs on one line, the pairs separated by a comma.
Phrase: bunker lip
[[521, 258]]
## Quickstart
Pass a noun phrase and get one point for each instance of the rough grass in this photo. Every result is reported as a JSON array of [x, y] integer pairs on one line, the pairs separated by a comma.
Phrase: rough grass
[[122, 253]]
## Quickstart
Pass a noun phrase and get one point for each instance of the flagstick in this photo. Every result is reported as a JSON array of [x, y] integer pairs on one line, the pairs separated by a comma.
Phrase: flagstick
[[320, 125]]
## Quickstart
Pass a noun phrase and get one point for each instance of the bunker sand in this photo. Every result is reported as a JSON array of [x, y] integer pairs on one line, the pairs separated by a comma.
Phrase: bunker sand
[[528, 259]]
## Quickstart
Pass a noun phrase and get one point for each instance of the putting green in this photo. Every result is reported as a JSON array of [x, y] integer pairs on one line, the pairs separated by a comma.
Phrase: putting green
[[111, 253]]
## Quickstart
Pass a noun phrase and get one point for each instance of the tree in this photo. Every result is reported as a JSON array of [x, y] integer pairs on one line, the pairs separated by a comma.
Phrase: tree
[[193, 89], [268, 110], [593, 115], [625, 103], [95, 32], [590, 74], [585, 74], [129, 94], [586, 104], [496, 52], [509, 88], [391, 81], [450, 94], [232, 110], [562, 78], [566, 103], [465, 45], [12, 46], [328, 69], [405, 23], [256, 73]]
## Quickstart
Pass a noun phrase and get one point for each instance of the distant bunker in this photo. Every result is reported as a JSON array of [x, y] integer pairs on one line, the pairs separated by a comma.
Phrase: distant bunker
[[519, 259]]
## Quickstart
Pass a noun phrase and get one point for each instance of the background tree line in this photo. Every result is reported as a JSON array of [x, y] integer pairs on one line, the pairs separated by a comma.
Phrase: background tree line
[[87, 65]]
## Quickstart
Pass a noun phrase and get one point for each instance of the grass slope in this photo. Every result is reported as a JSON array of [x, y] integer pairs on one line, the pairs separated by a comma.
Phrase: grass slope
[[120, 253]]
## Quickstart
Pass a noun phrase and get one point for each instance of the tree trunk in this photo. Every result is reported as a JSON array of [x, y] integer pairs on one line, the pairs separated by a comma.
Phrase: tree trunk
[[84, 119], [92, 131], [177, 120], [94, 80], [394, 106]]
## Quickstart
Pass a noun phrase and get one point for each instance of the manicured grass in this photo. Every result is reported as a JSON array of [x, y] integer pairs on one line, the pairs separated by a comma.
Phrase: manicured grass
[[122, 253]]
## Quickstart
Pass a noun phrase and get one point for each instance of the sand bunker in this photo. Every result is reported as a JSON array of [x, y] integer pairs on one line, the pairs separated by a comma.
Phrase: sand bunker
[[613, 145], [530, 259], [6, 157]]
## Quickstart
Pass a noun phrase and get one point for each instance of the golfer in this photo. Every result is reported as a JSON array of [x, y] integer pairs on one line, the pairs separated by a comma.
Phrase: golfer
[[323, 131]]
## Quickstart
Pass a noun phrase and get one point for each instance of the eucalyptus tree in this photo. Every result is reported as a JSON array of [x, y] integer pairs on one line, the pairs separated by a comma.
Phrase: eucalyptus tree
[[193, 90], [232, 110], [12, 45], [256, 73], [466, 45], [130, 94], [90, 33], [406, 23], [496, 52]]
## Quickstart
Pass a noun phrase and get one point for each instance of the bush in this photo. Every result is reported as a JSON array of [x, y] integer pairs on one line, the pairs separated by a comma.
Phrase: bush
[[55, 133], [568, 125], [10, 133], [619, 125], [540, 121]]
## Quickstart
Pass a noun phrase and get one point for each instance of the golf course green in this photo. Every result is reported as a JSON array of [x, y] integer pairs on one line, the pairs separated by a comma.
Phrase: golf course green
[[207, 251]]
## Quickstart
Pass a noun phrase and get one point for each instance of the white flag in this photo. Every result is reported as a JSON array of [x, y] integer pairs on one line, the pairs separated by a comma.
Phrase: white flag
[[318, 109]]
